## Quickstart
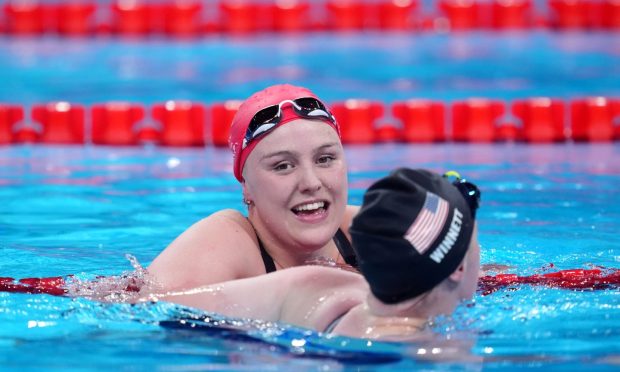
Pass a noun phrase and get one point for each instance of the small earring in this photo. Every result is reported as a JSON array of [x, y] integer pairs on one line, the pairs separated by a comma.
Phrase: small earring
[[247, 202]]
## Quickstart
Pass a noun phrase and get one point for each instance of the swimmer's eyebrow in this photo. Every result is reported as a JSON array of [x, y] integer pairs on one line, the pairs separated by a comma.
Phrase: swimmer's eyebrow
[[295, 153], [327, 145], [278, 153]]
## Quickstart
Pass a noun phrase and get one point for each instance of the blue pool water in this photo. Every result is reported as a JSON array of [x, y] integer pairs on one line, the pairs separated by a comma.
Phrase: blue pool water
[[382, 66], [80, 210]]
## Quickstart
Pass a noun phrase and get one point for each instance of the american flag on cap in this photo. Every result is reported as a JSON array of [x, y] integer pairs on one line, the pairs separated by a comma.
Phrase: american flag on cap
[[428, 224]]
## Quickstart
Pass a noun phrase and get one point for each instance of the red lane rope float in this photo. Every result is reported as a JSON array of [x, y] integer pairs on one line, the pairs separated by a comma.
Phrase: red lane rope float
[[476, 119], [570, 14], [183, 18], [53, 285], [594, 119], [542, 119], [26, 17], [182, 123], [421, 120], [75, 17], [240, 16], [461, 15], [579, 279], [61, 122], [388, 133], [114, 123], [517, 14], [186, 18], [290, 16], [9, 116], [134, 17], [220, 119], [611, 15], [357, 118], [576, 279], [397, 14], [363, 121], [346, 15]]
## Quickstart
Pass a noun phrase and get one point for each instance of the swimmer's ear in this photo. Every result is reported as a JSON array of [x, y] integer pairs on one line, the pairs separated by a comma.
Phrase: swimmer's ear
[[458, 274], [247, 199]]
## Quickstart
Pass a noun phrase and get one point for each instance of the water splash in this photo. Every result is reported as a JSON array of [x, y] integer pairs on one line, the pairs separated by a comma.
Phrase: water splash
[[123, 288]]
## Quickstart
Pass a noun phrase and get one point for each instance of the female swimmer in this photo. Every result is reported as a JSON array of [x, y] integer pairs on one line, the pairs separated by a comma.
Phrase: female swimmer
[[289, 159]]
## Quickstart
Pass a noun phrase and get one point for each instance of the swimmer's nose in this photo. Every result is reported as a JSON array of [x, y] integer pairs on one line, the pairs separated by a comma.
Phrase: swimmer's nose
[[309, 181]]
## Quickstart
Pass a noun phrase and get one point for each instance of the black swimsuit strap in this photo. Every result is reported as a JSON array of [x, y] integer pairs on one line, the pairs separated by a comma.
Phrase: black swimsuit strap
[[270, 266], [340, 239]]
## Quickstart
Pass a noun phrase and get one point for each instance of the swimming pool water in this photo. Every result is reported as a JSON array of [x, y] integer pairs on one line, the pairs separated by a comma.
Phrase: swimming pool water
[[380, 66], [80, 210]]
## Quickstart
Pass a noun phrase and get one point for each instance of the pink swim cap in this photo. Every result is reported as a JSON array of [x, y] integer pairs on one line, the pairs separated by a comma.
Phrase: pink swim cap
[[270, 96]]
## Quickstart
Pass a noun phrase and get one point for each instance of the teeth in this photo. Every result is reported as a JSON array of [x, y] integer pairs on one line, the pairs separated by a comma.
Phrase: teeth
[[310, 206]]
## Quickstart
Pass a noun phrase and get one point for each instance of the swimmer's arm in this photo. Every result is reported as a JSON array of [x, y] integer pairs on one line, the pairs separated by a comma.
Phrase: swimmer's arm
[[260, 297], [216, 249], [326, 293], [307, 296]]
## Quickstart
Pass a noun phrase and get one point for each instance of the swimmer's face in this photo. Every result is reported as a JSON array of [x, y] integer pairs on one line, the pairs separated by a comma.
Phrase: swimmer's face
[[297, 178]]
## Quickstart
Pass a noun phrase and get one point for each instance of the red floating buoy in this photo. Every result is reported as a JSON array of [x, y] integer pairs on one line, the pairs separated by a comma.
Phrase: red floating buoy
[[570, 14], [135, 17], [542, 119], [10, 115], [594, 119], [290, 15], [182, 123], [114, 123], [388, 133], [52, 285], [241, 16], [512, 14], [183, 18], [610, 14], [397, 14], [422, 120], [461, 14], [357, 119], [75, 18], [221, 117], [508, 132], [61, 122], [27, 17], [476, 119], [346, 15]]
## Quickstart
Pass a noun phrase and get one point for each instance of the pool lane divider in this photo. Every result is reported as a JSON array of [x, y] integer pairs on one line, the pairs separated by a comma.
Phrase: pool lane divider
[[186, 123], [575, 279], [193, 18]]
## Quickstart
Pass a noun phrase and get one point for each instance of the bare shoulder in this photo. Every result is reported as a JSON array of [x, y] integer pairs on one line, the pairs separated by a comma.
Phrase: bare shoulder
[[217, 248]]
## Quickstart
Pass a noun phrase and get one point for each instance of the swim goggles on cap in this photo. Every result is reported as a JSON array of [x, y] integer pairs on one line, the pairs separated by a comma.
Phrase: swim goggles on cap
[[470, 192], [267, 118]]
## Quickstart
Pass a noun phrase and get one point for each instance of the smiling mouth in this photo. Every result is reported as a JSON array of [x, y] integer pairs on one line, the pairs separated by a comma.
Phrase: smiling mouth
[[310, 208]]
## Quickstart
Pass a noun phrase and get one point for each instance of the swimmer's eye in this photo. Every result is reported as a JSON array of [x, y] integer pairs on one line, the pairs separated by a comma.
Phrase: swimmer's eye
[[282, 166], [326, 159]]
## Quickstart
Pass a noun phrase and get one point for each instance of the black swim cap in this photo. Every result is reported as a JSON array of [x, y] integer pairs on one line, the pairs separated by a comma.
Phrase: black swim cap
[[412, 232]]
